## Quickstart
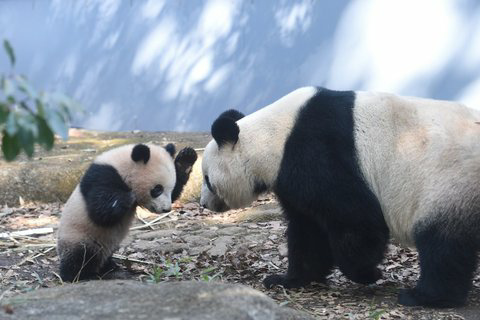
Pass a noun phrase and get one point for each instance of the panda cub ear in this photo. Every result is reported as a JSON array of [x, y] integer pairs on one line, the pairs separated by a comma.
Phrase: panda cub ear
[[170, 149], [225, 129], [141, 152]]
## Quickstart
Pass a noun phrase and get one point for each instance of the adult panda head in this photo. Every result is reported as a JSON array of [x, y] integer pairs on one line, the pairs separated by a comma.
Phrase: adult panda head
[[217, 157], [100, 210], [243, 159]]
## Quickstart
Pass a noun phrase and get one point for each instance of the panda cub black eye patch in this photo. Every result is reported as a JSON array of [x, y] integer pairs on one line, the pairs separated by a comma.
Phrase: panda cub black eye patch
[[157, 191], [209, 186]]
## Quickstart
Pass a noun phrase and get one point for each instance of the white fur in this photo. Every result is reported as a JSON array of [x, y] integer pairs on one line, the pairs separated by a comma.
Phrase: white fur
[[418, 156], [77, 228], [256, 155]]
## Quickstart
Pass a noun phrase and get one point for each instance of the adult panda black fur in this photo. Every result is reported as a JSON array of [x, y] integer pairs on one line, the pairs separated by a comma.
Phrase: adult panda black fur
[[350, 169], [98, 214]]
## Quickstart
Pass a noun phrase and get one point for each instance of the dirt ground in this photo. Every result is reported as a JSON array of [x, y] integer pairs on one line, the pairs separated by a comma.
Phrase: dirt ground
[[241, 246]]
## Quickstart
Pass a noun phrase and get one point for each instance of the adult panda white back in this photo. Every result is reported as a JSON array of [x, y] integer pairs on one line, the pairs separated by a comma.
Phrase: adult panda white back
[[419, 156]]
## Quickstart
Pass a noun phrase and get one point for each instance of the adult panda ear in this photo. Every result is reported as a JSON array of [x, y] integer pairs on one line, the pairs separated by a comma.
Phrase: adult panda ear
[[170, 149], [233, 114], [141, 152], [225, 130]]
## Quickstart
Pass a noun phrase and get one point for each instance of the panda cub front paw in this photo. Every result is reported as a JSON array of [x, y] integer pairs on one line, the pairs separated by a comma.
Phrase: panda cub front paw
[[186, 157]]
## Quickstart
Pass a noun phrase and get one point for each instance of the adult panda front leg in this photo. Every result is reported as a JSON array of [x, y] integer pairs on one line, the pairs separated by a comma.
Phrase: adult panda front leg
[[309, 256], [448, 261]]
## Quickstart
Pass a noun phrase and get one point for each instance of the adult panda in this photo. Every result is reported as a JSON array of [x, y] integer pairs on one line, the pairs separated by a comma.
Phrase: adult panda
[[350, 169], [99, 212]]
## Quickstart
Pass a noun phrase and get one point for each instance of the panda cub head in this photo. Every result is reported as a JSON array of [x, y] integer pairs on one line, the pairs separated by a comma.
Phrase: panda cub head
[[145, 174], [98, 214]]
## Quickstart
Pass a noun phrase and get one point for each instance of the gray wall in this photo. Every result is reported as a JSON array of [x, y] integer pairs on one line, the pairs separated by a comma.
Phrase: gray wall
[[175, 65]]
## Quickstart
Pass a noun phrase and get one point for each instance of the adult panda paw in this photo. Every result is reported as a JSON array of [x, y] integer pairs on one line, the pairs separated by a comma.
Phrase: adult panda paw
[[364, 276], [412, 298], [285, 281]]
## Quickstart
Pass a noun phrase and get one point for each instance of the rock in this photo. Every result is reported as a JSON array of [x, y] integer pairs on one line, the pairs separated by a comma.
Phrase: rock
[[230, 231], [193, 251], [156, 234], [144, 245], [159, 246], [283, 250], [135, 300], [193, 240], [261, 213], [173, 247], [220, 246], [210, 234], [254, 238]]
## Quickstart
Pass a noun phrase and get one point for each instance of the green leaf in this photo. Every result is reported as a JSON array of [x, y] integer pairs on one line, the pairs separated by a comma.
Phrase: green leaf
[[66, 104], [25, 87], [57, 123], [45, 134], [27, 121], [9, 50], [7, 87], [10, 146], [11, 124], [27, 139], [40, 107], [3, 113]]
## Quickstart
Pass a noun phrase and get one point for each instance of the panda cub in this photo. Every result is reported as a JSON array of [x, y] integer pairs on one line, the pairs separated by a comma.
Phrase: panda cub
[[349, 170], [99, 212]]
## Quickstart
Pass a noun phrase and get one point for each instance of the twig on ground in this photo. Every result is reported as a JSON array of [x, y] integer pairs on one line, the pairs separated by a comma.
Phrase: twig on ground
[[155, 222], [58, 276], [28, 232], [146, 223], [34, 246], [122, 257]]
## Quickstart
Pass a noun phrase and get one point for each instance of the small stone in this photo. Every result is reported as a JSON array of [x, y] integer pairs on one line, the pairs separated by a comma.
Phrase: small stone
[[220, 246], [283, 250]]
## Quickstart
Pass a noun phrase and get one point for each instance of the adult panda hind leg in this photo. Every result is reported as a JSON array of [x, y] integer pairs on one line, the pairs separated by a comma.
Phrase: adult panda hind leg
[[448, 261], [309, 256]]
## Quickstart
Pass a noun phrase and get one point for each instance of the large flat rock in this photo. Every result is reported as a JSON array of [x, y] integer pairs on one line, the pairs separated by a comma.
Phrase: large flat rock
[[135, 300]]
